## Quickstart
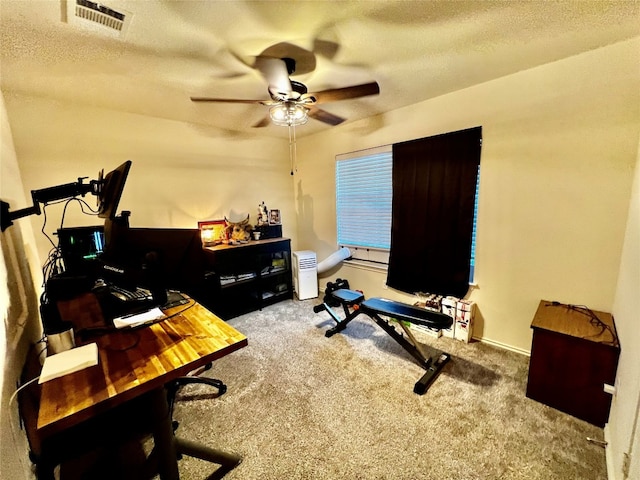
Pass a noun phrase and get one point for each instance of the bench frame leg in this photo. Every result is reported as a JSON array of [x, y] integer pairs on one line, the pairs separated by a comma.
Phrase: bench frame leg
[[341, 323], [429, 358]]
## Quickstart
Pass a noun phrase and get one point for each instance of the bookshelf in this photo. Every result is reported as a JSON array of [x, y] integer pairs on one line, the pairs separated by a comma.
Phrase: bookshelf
[[246, 277]]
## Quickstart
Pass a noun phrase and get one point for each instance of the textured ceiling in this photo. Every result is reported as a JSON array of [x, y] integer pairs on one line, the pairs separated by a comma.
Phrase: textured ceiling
[[172, 50]]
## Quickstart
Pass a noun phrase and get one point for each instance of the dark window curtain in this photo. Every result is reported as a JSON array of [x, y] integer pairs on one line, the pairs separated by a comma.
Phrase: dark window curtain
[[434, 183]]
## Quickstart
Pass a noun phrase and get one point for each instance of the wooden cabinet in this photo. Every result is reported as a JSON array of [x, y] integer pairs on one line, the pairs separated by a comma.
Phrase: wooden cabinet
[[246, 277], [574, 353]]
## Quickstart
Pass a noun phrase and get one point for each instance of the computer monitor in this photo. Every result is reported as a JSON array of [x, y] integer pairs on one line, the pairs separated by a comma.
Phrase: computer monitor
[[80, 248], [157, 259], [110, 190], [172, 257]]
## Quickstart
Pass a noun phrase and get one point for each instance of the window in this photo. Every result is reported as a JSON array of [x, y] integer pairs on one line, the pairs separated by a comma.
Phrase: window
[[363, 205]]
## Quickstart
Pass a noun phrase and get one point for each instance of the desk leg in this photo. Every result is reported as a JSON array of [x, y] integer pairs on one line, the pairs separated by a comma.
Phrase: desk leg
[[164, 444]]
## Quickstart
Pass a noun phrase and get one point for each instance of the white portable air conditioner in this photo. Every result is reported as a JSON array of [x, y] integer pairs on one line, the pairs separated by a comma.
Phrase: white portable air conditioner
[[305, 274]]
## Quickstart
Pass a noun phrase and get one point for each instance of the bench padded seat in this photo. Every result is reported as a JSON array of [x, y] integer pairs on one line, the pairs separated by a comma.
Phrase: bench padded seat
[[409, 313], [350, 297]]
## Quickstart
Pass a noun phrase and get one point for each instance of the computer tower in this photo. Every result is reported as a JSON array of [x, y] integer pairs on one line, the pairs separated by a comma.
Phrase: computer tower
[[305, 274]]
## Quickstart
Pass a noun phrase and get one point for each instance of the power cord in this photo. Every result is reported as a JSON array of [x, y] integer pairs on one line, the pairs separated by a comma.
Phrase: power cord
[[593, 320], [86, 333], [14, 436], [596, 322]]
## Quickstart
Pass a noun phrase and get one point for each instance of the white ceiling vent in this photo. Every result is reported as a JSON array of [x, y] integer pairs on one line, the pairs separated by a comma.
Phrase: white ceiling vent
[[96, 17]]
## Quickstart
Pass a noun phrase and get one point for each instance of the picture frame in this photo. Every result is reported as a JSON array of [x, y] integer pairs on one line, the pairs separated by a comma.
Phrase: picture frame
[[213, 232], [274, 217]]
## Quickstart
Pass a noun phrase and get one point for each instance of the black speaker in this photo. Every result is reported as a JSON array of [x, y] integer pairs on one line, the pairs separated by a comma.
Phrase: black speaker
[[269, 231]]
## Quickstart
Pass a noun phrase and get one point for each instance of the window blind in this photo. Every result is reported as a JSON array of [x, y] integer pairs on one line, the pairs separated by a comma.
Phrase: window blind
[[363, 198], [473, 234]]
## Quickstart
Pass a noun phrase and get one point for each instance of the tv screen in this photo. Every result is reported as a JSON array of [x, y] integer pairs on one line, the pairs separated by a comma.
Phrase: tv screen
[[111, 189]]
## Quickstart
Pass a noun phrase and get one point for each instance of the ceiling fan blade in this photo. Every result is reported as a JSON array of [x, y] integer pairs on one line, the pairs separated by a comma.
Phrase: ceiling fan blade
[[275, 72], [227, 100], [345, 93], [326, 48], [265, 122], [324, 116]]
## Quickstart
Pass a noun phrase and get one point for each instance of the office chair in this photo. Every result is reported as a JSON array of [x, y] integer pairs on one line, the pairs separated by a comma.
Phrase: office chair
[[191, 379]]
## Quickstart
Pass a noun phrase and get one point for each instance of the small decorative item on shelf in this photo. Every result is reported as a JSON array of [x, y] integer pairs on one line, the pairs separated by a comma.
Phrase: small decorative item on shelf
[[263, 214], [274, 217], [238, 232], [212, 232]]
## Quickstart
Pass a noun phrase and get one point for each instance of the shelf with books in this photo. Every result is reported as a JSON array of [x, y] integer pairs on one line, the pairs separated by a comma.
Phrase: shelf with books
[[247, 277]]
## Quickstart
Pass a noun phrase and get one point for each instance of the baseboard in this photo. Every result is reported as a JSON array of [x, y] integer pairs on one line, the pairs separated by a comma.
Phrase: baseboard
[[503, 346], [611, 471]]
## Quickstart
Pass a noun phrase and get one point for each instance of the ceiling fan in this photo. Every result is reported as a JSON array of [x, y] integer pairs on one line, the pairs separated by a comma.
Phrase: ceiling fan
[[291, 103]]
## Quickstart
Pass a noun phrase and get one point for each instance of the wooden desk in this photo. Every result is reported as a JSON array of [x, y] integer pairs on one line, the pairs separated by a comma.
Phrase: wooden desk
[[572, 357], [134, 363]]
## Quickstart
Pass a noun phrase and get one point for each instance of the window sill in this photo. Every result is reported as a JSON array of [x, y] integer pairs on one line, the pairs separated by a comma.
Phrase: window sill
[[382, 268], [364, 265]]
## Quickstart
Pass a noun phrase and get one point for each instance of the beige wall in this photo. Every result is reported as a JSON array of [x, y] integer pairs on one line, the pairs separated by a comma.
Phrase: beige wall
[[560, 143], [19, 278], [180, 174], [623, 429]]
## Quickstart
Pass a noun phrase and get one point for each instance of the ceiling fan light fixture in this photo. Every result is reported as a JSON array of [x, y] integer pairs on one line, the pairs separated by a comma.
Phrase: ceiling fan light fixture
[[289, 114]]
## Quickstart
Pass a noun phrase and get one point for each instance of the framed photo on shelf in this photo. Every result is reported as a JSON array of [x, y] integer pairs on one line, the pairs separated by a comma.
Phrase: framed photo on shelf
[[212, 232], [274, 217]]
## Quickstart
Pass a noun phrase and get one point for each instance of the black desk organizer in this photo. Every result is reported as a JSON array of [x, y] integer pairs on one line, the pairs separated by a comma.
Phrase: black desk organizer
[[269, 231]]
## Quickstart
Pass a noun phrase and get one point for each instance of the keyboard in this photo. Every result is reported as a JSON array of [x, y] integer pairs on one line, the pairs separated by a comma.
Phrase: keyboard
[[125, 295]]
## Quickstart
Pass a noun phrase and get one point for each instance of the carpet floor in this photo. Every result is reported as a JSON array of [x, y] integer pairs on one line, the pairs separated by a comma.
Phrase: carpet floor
[[303, 406]]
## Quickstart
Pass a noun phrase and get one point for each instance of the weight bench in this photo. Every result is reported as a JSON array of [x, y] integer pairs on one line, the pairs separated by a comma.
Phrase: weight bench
[[354, 303]]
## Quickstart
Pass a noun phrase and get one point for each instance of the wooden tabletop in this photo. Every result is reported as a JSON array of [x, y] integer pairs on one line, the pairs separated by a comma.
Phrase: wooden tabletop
[[132, 362], [576, 321]]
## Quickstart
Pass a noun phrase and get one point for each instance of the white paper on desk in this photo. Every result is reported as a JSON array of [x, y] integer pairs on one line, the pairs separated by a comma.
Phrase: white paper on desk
[[130, 321], [69, 361]]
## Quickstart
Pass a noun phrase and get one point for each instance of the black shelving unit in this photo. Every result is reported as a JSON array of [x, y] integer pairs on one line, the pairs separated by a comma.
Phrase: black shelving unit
[[246, 277]]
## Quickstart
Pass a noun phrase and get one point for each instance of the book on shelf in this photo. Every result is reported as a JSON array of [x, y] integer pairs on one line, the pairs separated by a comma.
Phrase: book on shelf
[[245, 276], [227, 279]]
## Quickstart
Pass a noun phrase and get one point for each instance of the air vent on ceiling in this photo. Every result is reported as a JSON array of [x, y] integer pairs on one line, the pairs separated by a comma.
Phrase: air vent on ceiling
[[96, 17]]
